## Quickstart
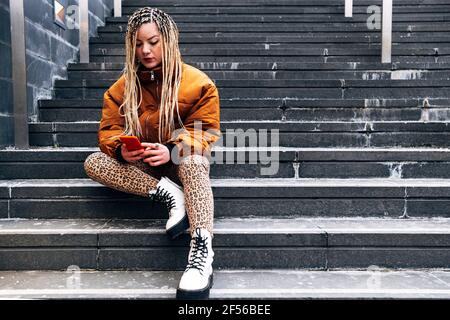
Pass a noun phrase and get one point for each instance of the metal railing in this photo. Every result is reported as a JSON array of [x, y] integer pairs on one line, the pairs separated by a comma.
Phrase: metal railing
[[19, 74], [348, 8], [84, 31], [84, 26], [386, 29], [386, 33], [117, 8]]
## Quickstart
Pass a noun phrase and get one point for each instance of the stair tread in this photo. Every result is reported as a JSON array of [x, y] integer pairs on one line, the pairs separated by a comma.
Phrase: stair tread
[[434, 127], [310, 83], [289, 154], [254, 182], [232, 284], [353, 225], [108, 66]]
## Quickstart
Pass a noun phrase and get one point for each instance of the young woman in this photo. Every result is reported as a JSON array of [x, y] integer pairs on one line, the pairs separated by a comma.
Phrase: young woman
[[173, 108]]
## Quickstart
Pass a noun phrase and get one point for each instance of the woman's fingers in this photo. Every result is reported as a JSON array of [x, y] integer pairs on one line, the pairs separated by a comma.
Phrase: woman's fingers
[[136, 158], [154, 161], [131, 153], [136, 153], [151, 153], [154, 154], [156, 158], [148, 145]]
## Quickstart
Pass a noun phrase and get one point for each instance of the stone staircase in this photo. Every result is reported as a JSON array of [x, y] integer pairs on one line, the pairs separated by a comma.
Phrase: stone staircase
[[363, 159]]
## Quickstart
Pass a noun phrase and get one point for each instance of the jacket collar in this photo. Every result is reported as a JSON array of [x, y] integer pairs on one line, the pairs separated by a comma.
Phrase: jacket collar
[[149, 75]]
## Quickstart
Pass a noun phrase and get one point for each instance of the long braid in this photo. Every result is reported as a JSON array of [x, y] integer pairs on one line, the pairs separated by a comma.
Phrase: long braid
[[171, 70]]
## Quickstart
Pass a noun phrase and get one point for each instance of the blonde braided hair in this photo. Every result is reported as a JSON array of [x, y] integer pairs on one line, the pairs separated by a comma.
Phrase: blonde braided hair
[[171, 70]]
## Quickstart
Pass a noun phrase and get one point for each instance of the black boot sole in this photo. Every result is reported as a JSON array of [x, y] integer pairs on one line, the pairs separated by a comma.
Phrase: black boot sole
[[196, 295], [179, 228]]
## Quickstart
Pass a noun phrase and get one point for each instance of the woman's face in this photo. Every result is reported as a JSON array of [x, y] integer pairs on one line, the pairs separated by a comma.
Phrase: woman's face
[[148, 45]]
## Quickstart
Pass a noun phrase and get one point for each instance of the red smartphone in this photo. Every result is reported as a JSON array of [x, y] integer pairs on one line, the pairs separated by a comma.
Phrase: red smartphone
[[132, 143]]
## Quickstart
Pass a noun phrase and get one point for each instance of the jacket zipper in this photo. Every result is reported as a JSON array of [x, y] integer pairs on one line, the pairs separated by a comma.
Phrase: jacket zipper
[[152, 77]]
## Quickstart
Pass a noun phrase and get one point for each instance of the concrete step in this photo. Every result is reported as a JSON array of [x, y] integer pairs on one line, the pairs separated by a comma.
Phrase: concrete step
[[289, 75], [66, 114], [234, 198], [374, 283], [294, 89], [405, 163], [235, 3], [238, 243], [277, 103], [398, 17], [285, 9], [90, 110], [231, 37], [363, 37], [275, 66], [279, 83], [286, 134], [277, 50], [261, 91], [340, 27], [72, 110], [324, 59]]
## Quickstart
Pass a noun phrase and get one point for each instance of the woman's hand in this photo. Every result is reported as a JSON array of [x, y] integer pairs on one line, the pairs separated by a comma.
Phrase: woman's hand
[[131, 156], [155, 154]]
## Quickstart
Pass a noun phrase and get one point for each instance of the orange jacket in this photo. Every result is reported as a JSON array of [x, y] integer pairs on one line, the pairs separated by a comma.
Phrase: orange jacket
[[198, 101]]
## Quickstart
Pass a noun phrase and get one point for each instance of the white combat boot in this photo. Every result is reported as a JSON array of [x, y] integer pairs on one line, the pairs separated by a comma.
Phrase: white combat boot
[[171, 195], [197, 279]]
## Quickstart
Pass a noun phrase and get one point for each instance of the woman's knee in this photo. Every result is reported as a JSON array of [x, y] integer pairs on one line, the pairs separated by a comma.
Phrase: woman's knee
[[93, 164], [195, 163]]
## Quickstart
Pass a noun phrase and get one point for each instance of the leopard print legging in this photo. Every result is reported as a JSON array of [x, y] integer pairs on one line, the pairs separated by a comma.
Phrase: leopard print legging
[[140, 178]]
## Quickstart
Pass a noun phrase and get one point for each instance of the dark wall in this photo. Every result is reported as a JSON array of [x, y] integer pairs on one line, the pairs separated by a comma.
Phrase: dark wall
[[6, 120], [49, 47]]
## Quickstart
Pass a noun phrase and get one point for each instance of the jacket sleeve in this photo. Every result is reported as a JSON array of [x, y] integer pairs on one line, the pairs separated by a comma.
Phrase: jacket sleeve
[[202, 125], [111, 124]]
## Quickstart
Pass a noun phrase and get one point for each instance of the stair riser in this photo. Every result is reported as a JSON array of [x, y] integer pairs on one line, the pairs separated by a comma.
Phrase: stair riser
[[272, 104], [292, 93], [364, 35], [276, 9], [284, 38], [322, 114], [229, 258], [326, 28], [255, 129], [87, 208], [235, 3], [337, 48], [306, 114], [276, 53], [287, 59], [306, 140], [87, 114], [264, 83], [323, 169], [288, 75], [417, 17], [277, 67]]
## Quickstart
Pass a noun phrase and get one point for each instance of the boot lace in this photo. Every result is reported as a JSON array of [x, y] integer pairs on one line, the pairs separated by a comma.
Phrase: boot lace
[[199, 252], [164, 197]]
